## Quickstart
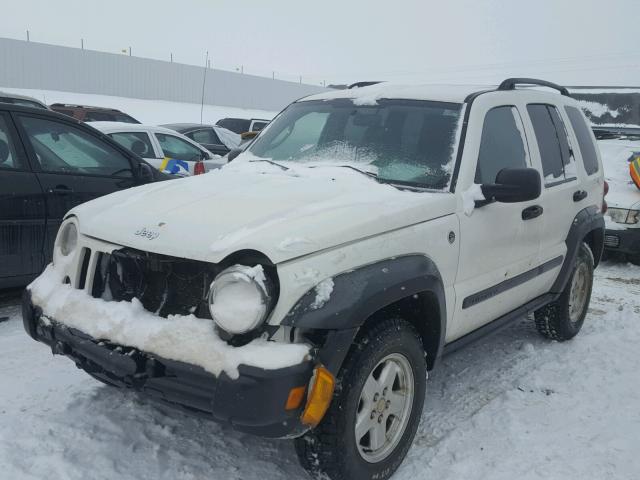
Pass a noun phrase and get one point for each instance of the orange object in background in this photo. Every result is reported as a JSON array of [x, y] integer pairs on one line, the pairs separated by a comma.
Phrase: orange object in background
[[634, 170]]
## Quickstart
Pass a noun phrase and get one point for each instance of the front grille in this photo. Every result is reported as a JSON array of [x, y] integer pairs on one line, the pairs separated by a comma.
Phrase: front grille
[[612, 241], [164, 285]]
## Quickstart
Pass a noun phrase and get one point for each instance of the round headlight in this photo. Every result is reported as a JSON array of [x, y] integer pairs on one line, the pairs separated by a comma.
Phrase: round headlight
[[238, 299], [68, 238]]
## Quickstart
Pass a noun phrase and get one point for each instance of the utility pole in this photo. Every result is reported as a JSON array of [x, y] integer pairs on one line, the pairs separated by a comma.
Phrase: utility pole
[[300, 79], [171, 57], [204, 81], [129, 51], [28, 36], [273, 75], [82, 43]]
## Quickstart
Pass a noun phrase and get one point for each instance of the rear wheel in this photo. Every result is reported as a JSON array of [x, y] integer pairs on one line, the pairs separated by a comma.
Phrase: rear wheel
[[562, 319], [376, 408]]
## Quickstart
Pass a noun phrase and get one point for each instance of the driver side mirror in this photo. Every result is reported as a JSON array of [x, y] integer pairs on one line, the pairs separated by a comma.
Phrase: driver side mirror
[[514, 185], [233, 153], [145, 172]]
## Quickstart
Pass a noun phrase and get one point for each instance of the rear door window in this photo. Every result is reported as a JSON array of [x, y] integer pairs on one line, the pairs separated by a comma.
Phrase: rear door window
[[99, 117], [205, 136], [138, 142], [502, 144], [585, 140], [556, 154], [177, 148]]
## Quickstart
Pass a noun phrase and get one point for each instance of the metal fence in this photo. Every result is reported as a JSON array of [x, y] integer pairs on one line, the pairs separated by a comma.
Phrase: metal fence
[[51, 67]]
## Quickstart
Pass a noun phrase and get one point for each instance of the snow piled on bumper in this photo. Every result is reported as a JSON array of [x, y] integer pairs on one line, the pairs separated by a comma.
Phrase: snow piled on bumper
[[183, 338]]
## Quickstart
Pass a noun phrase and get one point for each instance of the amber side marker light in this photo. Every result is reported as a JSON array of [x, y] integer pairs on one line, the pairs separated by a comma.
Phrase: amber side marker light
[[296, 395], [320, 395]]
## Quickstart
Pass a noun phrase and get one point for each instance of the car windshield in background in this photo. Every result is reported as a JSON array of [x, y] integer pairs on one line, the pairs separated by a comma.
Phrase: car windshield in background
[[408, 142]]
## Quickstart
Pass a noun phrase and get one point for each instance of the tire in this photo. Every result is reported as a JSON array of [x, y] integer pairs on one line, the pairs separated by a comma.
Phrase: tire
[[562, 319], [390, 349]]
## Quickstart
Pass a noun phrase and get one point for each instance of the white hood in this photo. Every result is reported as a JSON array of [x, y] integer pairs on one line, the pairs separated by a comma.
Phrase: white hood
[[257, 206]]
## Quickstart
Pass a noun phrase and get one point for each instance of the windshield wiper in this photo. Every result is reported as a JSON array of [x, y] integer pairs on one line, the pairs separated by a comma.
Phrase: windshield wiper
[[269, 161], [364, 172]]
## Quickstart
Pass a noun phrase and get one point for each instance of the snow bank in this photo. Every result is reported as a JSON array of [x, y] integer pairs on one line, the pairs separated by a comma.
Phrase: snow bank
[[184, 338]]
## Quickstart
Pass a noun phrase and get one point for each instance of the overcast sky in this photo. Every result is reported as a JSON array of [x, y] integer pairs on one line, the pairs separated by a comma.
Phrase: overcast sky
[[462, 41]]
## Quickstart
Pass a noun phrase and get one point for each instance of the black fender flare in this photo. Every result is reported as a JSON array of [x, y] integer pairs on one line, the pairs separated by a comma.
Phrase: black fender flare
[[586, 221], [359, 293]]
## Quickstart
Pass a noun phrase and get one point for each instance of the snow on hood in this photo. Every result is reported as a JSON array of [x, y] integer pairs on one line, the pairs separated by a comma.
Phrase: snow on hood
[[183, 338], [615, 155], [256, 205]]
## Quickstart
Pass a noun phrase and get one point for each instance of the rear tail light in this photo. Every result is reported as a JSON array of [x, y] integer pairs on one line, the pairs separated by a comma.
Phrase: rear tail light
[[198, 169], [605, 207]]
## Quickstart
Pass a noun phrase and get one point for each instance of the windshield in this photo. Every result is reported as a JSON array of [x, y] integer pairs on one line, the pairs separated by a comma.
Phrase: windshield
[[399, 141]]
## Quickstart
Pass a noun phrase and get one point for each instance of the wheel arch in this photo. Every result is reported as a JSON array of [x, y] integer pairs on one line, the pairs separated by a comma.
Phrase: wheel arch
[[588, 227], [409, 287]]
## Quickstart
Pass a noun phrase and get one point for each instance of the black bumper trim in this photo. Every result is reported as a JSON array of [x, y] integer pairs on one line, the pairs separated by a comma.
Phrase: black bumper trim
[[628, 241], [253, 403]]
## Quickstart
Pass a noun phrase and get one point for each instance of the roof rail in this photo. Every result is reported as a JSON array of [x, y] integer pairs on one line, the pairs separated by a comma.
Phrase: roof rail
[[362, 84], [510, 84]]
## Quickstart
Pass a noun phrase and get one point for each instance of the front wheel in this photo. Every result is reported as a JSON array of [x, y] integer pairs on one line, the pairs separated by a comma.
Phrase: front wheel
[[376, 408]]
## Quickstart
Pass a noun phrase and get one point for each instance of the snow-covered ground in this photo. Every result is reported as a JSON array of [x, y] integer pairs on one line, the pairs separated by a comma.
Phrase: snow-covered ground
[[512, 406], [151, 112]]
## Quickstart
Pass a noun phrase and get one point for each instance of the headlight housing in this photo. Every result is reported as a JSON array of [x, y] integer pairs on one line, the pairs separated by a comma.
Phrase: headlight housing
[[623, 215], [68, 238], [239, 299]]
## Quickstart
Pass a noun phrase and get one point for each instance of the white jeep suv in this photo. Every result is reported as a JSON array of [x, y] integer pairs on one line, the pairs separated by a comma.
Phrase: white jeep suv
[[305, 289]]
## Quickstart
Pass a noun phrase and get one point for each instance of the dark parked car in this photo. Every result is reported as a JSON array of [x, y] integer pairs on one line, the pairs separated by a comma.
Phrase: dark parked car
[[86, 113], [241, 125], [48, 164], [214, 138], [23, 100]]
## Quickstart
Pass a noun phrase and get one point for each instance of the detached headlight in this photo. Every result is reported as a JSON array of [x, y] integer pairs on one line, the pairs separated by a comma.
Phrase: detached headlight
[[239, 299], [622, 215], [68, 238]]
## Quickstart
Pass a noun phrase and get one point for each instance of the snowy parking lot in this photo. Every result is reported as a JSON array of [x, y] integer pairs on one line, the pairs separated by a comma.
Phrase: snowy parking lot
[[512, 406]]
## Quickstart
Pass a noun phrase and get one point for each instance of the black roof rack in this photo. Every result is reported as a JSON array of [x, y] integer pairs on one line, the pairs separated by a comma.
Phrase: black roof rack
[[362, 84], [510, 84]]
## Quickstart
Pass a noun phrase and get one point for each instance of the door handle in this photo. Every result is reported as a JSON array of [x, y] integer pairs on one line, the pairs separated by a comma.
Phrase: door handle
[[579, 195], [532, 212], [61, 190]]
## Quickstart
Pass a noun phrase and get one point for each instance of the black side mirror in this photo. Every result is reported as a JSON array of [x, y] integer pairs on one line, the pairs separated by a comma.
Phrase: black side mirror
[[145, 172], [514, 185], [233, 153]]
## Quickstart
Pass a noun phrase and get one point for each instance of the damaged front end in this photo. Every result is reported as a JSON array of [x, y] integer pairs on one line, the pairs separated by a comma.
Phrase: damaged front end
[[257, 401], [182, 358], [164, 285]]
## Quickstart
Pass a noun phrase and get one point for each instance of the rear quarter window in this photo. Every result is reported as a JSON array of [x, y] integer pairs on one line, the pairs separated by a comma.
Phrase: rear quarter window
[[585, 140]]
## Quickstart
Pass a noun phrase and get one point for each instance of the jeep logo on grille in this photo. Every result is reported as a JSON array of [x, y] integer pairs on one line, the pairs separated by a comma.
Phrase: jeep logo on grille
[[148, 234]]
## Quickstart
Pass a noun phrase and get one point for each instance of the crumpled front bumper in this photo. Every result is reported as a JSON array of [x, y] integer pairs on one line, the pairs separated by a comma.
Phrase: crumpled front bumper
[[254, 402]]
